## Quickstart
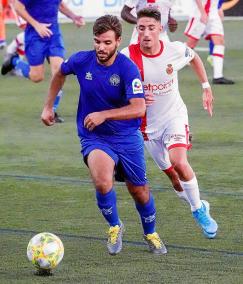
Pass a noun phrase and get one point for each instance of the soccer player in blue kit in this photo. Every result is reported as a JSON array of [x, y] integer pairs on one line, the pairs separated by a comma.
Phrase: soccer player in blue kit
[[43, 39], [110, 106]]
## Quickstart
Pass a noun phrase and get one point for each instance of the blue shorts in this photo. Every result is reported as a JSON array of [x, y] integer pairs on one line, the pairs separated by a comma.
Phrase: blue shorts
[[127, 153], [37, 49]]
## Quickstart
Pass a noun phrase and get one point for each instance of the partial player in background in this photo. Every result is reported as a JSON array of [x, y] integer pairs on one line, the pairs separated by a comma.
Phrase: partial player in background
[[43, 40], [131, 7], [205, 21], [165, 126], [16, 46], [3, 4], [211, 44], [111, 105]]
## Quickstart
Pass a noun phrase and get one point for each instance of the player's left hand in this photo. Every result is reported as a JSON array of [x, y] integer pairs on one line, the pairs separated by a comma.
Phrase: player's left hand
[[208, 101], [48, 116], [93, 119], [172, 24], [149, 99], [79, 21]]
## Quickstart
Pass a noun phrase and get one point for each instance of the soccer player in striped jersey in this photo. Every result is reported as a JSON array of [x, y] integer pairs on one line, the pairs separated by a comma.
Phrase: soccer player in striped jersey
[[205, 21], [131, 7], [165, 125]]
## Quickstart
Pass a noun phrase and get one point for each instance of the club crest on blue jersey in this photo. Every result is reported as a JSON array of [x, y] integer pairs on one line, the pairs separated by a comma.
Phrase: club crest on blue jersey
[[115, 80], [88, 76], [137, 86]]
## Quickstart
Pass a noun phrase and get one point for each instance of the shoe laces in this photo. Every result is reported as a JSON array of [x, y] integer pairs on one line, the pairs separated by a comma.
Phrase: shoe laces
[[113, 234], [154, 240], [202, 216]]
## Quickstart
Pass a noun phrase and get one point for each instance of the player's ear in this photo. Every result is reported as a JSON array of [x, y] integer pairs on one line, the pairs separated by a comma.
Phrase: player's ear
[[118, 41]]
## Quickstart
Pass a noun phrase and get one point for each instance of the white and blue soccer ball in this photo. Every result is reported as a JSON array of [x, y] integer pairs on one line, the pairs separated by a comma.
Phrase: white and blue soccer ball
[[45, 251]]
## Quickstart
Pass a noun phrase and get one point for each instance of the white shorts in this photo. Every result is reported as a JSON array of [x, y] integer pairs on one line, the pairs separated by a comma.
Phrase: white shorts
[[195, 28], [176, 134]]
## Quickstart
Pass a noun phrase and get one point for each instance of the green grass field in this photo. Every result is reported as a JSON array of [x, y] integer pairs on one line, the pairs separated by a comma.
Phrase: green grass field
[[44, 185]]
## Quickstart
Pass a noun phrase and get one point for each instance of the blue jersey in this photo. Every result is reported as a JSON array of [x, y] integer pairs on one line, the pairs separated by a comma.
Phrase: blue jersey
[[104, 88], [43, 11]]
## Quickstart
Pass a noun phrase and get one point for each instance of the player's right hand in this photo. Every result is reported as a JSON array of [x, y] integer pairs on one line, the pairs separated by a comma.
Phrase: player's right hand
[[149, 99], [48, 116], [204, 18], [208, 101], [43, 30]]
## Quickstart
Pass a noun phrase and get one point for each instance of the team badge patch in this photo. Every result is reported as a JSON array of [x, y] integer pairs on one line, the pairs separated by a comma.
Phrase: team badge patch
[[169, 69], [137, 86], [115, 80], [188, 52]]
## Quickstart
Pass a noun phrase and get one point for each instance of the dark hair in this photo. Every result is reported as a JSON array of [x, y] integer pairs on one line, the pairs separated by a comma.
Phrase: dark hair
[[149, 12], [107, 23]]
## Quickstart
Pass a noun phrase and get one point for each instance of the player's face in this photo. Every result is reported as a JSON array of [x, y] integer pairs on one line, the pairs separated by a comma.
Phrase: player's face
[[106, 46], [148, 32]]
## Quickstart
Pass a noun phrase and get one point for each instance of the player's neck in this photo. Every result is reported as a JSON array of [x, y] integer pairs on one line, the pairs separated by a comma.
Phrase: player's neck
[[152, 50]]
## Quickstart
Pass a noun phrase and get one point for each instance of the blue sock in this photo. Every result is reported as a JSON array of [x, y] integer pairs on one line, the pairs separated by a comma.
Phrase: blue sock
[[211, 46], [21, 66], [107, 204], [57, 100], [147, 214]]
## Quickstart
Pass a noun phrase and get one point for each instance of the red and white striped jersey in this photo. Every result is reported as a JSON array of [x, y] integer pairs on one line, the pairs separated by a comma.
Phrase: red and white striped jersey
[[159, 76], [210, 6], [163, 6]]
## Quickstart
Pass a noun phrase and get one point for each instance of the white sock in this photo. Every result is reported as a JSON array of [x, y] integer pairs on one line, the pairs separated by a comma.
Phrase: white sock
[[182, 195], [192, 191], [218, 61]]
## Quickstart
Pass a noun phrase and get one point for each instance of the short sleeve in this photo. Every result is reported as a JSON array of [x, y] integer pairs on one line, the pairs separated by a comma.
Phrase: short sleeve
[[67, 66], [133, 82], [184, 55]]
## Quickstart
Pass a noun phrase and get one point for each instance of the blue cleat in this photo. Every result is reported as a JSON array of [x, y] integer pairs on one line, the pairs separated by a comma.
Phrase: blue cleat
[[205, 221]]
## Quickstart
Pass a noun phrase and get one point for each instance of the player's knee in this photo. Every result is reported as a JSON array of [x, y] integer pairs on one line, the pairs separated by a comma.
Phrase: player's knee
[[180, 166], [103, 183], [141, 195], [36, 77]]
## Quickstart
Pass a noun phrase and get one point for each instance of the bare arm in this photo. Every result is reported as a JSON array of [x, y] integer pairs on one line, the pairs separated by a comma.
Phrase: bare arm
[[41, 28], [56, 84], [200, 71], [135, 109], [78, 20], [127, 16]]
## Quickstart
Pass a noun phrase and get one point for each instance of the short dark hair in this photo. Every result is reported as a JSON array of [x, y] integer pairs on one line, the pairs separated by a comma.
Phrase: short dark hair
[[107, 23], [149, 12]]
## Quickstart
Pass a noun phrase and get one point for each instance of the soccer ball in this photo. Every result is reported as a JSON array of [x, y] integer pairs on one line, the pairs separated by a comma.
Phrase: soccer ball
[[45, 251]]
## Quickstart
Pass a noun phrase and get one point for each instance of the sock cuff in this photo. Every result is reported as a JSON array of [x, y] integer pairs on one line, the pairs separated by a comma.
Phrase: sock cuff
[[189, 182], [103, 198], [218, 50], [147, 205]]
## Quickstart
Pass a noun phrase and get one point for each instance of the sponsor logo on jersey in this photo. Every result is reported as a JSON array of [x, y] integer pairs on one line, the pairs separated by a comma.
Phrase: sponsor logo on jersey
[[169, 69], [159, 89], [88, 76], [137, 86], [115, 80]]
